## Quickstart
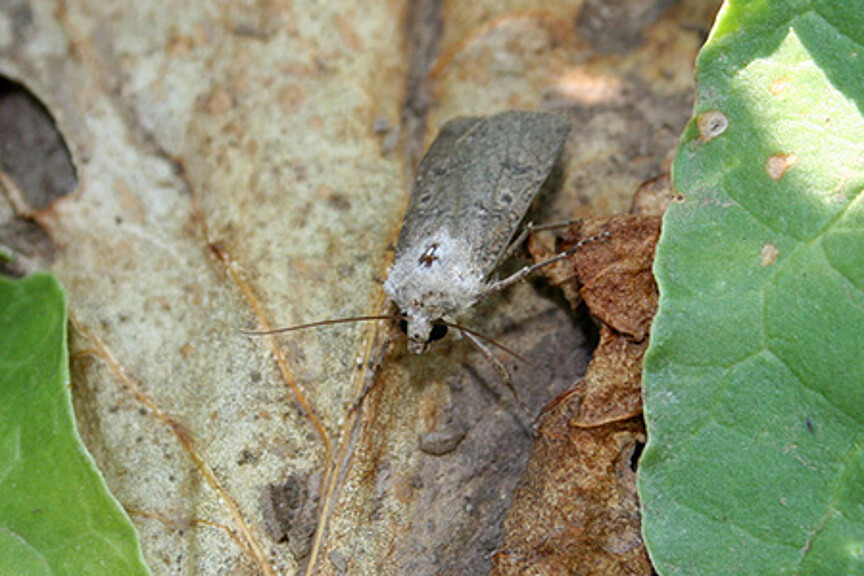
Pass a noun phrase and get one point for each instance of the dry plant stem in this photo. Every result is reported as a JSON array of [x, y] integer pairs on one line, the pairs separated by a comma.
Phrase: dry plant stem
[[364, 380], [14, 196], [250, 546], [183, 525], [373, 367], [334, 467], [235, 272]]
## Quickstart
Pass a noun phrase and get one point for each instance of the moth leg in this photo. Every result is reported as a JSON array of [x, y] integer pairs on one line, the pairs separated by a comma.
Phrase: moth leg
[[529, 229], [502, 370], [517, 276]]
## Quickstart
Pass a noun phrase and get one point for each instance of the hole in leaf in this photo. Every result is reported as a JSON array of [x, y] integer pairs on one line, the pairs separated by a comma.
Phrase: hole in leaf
[[33, 153]]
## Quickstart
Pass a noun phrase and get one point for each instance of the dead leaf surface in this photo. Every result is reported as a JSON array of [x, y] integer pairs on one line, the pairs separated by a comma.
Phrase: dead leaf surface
[[576, 508], [240, 165], [578, 512]]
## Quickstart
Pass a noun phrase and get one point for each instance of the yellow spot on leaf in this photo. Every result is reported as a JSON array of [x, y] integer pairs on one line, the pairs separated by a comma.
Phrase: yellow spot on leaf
[[776, 165], [779, 85], [769, 254]]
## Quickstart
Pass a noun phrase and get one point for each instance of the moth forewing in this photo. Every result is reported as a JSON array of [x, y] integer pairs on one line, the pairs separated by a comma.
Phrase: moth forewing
[[473, 188]]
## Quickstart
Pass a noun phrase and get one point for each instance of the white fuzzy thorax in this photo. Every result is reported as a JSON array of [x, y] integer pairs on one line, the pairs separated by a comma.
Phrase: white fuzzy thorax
[[435, 279]]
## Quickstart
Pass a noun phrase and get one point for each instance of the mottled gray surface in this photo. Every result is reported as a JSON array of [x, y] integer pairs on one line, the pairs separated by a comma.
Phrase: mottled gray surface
[[479, 178], [472, 190]]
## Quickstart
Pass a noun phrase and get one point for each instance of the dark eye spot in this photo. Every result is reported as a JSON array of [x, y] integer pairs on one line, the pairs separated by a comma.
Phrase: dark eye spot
[[403, 325], [438, 332], [506, 198]]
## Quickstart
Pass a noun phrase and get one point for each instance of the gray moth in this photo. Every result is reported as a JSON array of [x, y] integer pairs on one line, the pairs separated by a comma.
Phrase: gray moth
[[472, 190]]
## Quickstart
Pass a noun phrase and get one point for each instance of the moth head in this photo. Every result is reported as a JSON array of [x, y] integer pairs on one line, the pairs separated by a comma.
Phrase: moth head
[[421, 330]]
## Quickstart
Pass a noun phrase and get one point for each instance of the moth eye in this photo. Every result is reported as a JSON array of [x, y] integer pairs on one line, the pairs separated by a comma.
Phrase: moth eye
[[438, 332], [403, 325]]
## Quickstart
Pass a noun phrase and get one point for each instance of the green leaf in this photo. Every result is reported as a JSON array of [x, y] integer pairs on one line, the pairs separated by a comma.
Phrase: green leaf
[[56, 514], [754, 381]]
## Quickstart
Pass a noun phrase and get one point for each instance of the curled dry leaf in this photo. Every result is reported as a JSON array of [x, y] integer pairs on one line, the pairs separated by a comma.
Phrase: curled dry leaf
[[576, 506], [575, 509], [654, 196], [615, 272]]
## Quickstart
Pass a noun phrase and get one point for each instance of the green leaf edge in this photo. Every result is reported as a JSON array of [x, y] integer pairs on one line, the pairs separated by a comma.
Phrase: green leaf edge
[[91, 554], [732, 18]]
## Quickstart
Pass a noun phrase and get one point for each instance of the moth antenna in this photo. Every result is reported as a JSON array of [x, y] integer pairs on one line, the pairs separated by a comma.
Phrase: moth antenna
[[487, 339], [318, 324]]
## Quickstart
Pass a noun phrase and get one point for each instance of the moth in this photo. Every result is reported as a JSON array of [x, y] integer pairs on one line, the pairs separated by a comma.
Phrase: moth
[[472, 191]]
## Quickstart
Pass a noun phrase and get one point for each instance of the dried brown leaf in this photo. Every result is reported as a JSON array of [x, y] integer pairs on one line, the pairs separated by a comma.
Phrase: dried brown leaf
[[615, 272], [654, 196], [576, 507], [575, 510]]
